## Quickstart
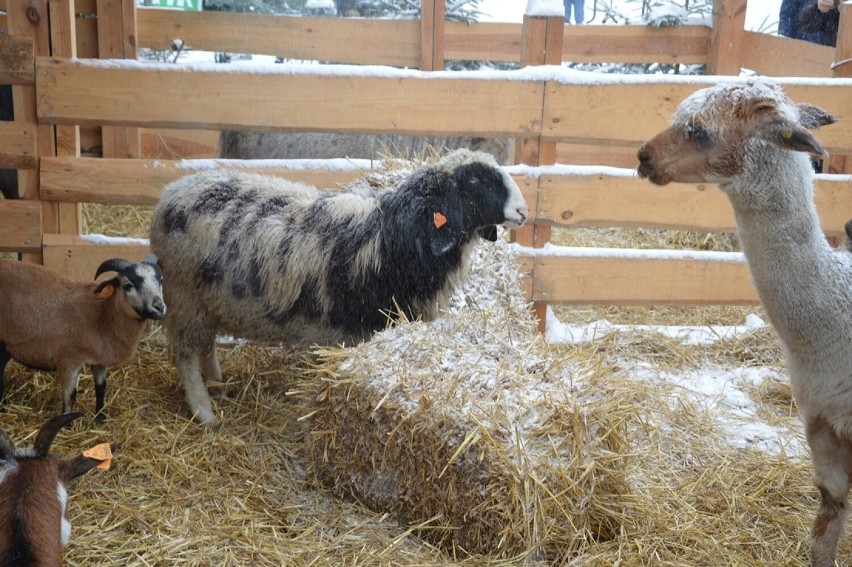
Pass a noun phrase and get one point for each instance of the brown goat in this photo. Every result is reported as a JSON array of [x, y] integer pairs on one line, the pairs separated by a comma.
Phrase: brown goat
[[33, 526], [50, 322]]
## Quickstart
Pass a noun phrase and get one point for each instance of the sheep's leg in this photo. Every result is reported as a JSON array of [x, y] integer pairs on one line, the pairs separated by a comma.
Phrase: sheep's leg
[[831, 458], [5, 357], [68, 376], [99, 373], [210, 369], [189, 372]]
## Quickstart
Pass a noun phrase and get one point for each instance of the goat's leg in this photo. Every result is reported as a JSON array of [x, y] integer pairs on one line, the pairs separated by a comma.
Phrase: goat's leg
[[68, 377], [99, 373], [5, 357], [831, 457], [189, 372]]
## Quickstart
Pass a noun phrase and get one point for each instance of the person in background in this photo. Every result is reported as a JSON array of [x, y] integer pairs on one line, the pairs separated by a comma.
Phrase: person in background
[[788, 23], [578, 6], [821, 18]]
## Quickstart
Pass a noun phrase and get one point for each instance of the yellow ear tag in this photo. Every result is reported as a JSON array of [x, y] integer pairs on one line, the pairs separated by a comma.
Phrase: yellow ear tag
[[439, 220], [106, 291], [786, 134], [100, 453]]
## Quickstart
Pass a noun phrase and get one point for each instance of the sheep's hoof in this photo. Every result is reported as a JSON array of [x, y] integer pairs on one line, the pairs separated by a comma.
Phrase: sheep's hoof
[[205, 417], [100, 417]]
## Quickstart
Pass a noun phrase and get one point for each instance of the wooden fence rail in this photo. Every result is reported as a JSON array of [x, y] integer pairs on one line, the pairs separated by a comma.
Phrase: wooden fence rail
[[555, 113]]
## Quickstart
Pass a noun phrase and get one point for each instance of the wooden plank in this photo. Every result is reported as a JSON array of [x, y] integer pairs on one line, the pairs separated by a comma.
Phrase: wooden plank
[[17, 54], [79, 257], [20, 226], [179, 144], [114, 30], [606, 200], [341, 40], [17, 145], [488, 41], [624, 114], [63, 34], [89, 93], [636, 44], [31, 19], [726, 37], [141, 182], [637, 279], [777, 56], [432, 28], [585, 154]]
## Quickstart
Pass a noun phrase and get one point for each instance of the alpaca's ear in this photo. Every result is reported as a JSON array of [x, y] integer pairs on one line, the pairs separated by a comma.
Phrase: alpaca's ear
[[791, 136], [812, 117]]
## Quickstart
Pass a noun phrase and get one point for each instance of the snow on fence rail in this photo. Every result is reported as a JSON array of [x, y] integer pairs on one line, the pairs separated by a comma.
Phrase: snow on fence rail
[[537, 104]]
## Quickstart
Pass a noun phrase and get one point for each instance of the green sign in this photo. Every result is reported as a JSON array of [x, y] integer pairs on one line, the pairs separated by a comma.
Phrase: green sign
[[188, 5]]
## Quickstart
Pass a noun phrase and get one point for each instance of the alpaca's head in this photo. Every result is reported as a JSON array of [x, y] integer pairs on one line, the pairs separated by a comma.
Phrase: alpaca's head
[[717, 130]]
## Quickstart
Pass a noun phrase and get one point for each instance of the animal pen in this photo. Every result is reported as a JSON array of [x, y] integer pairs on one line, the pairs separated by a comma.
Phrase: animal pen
[[95, 126]]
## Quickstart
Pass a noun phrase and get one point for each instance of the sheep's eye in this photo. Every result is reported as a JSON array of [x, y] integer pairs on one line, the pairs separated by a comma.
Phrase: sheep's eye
[[127, 286], [697, 134]]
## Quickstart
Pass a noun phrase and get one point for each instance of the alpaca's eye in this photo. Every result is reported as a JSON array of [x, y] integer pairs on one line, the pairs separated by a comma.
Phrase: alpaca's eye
[[697, 134]]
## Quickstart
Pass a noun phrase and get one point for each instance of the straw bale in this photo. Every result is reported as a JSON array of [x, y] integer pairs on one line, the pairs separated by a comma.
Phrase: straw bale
[[468, 426]]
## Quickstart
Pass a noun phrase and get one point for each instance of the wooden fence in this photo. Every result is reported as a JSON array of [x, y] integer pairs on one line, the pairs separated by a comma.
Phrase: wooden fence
[[63, 102]]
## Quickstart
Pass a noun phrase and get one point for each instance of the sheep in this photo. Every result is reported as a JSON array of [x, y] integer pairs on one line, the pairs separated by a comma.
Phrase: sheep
[[847, 244], [753, 141], [33, 497], [275, 261], [53, 323], [321, 145]]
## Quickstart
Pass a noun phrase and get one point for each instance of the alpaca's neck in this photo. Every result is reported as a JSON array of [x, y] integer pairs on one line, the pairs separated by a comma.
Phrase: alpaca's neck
[[780, 234]]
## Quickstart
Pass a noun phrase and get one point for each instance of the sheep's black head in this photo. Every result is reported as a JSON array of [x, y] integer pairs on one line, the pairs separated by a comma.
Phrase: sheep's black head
[[142, 285], [469, 193]]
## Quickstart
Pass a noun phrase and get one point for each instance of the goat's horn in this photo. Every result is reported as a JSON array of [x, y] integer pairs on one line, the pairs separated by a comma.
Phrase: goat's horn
[[49, 430], [113, 265], [7, 447]]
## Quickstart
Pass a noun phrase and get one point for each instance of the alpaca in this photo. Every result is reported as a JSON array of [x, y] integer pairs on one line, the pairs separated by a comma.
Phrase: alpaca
[[753, 141]]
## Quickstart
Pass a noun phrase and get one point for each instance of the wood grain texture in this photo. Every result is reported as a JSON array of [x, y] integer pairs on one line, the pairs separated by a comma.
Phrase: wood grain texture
[[20, 226]]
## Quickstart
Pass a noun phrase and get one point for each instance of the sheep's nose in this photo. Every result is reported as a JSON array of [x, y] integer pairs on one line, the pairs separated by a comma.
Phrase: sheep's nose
[[644, 155], [523, 212], [158, 307]]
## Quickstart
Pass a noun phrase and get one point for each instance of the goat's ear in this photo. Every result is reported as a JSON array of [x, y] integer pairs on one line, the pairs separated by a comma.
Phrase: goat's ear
[[79, 465], [114, 282], [7, 447], [791, 136], [812, 117]]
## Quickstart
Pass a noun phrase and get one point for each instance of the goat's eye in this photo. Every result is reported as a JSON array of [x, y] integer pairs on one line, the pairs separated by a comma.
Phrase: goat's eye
[[697, 134]]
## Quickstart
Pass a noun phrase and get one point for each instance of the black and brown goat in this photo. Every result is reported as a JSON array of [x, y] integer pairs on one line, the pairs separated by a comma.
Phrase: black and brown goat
[[33, 497]]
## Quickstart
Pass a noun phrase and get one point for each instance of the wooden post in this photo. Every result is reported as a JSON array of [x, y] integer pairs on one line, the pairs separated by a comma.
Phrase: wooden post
[[432, 28], [842, 68], [541, 44], [63, 43], [30, 18], [726, 39], [117, 40]]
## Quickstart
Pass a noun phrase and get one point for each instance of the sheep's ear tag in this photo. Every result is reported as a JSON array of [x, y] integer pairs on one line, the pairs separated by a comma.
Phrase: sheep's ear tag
[[439, 219], [100, 453]]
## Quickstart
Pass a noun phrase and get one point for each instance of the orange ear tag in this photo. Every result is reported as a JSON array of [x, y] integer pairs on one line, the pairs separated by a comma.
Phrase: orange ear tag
[[439, 220], [100, 453], [106, 291]]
